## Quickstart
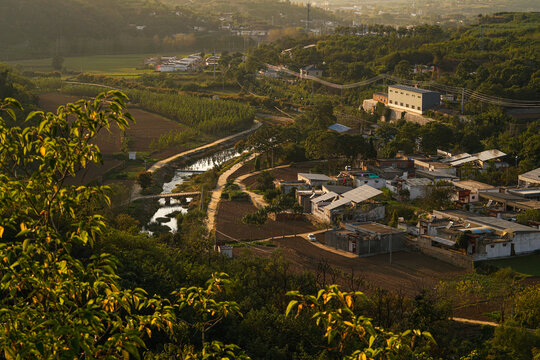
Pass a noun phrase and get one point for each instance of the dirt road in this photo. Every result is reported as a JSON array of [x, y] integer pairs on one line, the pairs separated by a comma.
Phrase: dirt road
[[256, 199], [216, 193], [164, 162]]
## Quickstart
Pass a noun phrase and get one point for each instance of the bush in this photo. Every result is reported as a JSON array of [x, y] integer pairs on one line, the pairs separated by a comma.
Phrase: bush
[[145, 179], [265, 181]]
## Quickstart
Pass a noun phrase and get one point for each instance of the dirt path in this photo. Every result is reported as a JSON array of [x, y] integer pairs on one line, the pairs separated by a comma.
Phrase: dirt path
[[476, 322], [164, 162], [216, 193], [256, 199]]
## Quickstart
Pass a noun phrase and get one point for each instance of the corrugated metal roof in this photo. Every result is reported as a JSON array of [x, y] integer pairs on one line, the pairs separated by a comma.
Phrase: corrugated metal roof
[[361, 193], [338, 189], [339, 128], [410, 88], [489, 154], [533, 174], [501, 224], [321, 177], [328, 196], [338, 203], [443, 241], [456, 157], [473, 185], [464, 160], [419, 182]]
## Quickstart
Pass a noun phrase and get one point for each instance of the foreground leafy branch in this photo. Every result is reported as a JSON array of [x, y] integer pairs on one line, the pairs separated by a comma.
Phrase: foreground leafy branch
[[351, 335]]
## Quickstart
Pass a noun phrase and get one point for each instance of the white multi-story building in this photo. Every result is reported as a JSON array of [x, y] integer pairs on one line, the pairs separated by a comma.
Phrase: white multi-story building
[[411, 99]]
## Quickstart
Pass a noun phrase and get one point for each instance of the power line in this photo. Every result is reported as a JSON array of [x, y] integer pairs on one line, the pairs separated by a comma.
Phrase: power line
[[475, 95]]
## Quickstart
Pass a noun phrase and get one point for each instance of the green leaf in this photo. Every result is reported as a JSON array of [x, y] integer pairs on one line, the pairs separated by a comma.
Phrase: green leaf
[[33, 114], [133, 351], [292, 303], [25, 244]]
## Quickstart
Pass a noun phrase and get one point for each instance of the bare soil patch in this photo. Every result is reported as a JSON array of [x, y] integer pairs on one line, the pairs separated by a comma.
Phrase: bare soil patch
[[409, 273], [229, 222], [147, 126], [287, 173], [244, 169]]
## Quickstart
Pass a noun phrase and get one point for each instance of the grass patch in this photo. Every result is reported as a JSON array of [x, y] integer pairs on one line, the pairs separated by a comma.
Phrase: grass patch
[[98, 64], [527, 265]]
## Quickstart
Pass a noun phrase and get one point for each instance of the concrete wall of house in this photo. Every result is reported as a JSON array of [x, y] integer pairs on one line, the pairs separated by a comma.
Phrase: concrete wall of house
[[366, 246], [377, 183], [526, 242], [320, 214], [305, 202], [381, 245], [448, 256], [415, 191], [332, 239], [430, 100], [493, 251], [287, 188]]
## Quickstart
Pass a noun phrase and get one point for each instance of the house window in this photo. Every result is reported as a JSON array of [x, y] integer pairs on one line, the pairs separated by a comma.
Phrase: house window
[[390, 101], [401, 103], [492, 246], [376, 181], [412, 106], [407, 105], [365, 181], [504, 245], [402, 93]]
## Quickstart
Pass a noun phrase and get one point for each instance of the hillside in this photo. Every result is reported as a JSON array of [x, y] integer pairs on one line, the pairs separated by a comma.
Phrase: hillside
[[44, 28]]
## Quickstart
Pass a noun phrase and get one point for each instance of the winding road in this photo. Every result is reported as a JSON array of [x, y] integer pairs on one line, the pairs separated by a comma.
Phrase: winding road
[[158, 165]]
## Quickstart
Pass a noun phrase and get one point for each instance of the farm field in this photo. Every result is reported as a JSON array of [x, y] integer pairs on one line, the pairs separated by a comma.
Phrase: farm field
[[147, 126], [286, 173], [527, 265], [409, 273], [98, 64], [229, 222]]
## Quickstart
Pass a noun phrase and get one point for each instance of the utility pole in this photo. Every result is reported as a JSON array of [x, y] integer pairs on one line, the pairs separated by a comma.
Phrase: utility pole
[[214, 61], [462, 100], [202, 197], [390, 246], [308, 15]]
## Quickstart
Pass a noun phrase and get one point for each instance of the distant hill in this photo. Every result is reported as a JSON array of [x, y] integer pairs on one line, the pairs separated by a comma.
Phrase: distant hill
[[30, 28], [43, 28]]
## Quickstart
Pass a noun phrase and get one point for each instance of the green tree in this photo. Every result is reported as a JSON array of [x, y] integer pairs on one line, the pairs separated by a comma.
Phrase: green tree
[[51, 303], [350, 335], [145, 179], [528, 215], [57, 62], [438, 196], [58, 298]]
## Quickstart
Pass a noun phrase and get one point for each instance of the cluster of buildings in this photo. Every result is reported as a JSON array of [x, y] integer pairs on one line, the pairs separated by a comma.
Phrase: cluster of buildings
[[189, 63], [481, 225], [462, 237]]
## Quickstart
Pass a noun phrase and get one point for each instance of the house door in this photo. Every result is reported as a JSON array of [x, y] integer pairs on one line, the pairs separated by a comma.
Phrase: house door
[[352, 246], [512, 250]]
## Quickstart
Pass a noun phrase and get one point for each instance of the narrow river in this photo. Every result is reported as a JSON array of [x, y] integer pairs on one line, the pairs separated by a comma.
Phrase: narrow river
[[202, 165]]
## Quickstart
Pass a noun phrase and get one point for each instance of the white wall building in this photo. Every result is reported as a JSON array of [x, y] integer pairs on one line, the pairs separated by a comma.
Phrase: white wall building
[[411, 99], [417, 187]]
